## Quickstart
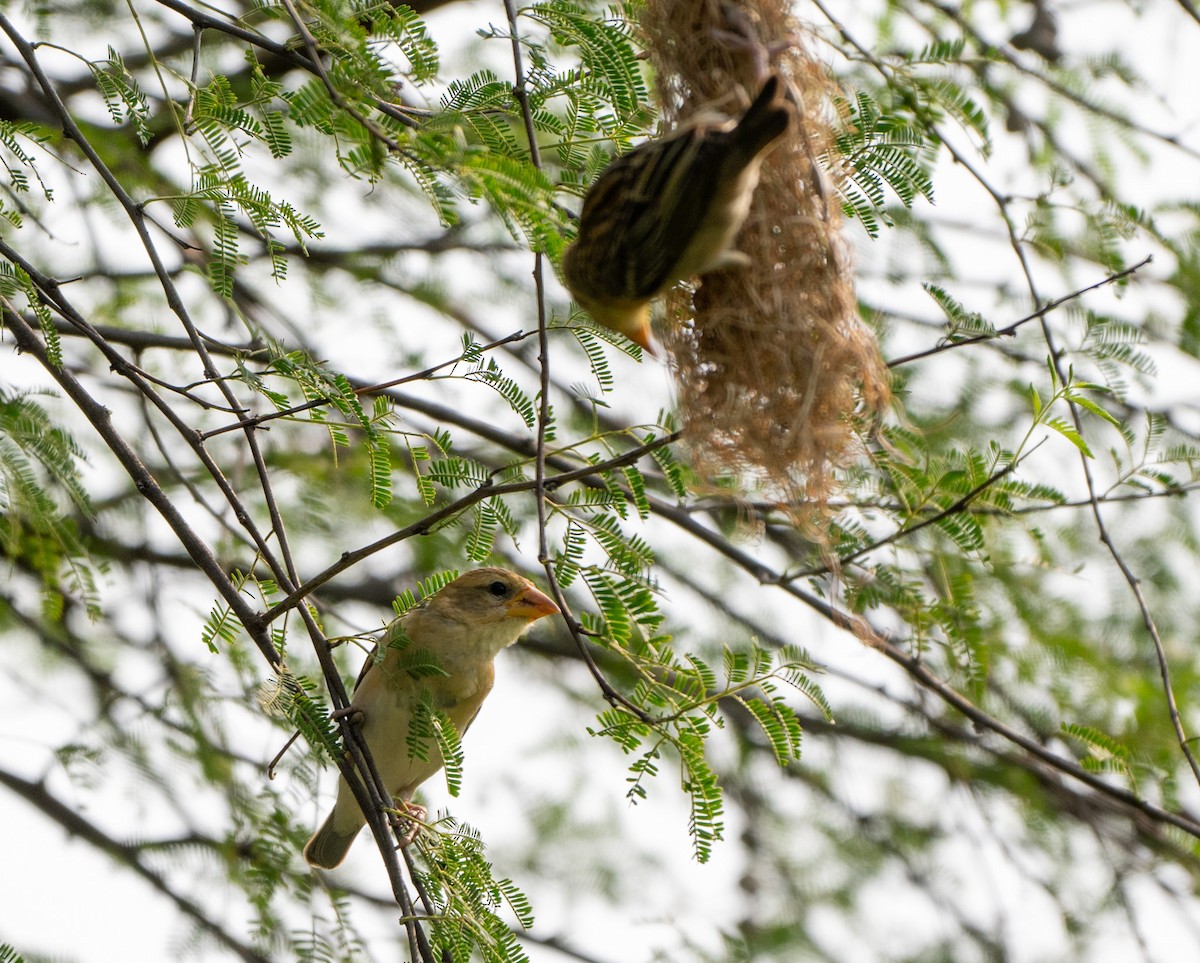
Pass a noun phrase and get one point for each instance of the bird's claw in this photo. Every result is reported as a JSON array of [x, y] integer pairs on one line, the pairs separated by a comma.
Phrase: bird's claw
[[412, 814], [743, 36]]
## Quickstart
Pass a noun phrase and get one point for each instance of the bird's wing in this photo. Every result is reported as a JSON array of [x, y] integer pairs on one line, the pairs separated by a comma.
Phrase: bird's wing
[[465, 709], [647, 207], [634, 217], [681, 184], [391, 633]]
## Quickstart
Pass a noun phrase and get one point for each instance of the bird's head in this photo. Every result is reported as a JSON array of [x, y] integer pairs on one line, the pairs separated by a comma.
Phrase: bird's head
[[631, 318], [488, 596], [593, 290]]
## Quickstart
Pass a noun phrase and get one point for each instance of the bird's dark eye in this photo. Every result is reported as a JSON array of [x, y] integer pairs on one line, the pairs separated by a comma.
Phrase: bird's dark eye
[[498, 589]]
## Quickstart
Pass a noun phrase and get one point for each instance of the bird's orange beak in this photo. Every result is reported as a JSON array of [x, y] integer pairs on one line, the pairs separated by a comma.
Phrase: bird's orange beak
[[641, 337], [532, 605], [632, 319]]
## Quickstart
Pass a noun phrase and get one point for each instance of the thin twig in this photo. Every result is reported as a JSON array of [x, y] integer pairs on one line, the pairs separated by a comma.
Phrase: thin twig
[[958, 506], [541, 487], [256, 421], [1074, 96], [425, 525], [1190, 9], [335, 95], [286, 53], [1011, 329]]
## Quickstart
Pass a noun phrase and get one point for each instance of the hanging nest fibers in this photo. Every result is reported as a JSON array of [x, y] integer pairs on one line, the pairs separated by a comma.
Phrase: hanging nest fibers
[[775, 370]]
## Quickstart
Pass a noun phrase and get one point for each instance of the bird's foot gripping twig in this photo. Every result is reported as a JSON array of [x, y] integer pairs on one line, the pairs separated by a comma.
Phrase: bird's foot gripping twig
[[743, 36], [408, 820]]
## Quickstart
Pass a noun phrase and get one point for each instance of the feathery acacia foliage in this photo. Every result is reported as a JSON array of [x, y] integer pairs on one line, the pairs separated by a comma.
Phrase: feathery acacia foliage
[[281, 360]]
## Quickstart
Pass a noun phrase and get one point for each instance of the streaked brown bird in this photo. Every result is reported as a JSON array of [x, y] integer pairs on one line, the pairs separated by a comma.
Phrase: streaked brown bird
[[670, 210], [462, 628]]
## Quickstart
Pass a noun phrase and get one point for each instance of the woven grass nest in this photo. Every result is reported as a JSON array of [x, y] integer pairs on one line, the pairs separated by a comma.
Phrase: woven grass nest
[[775, 370]]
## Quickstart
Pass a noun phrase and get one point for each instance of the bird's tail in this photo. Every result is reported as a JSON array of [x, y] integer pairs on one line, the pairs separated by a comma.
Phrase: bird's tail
[[329, 844], [764, 121]]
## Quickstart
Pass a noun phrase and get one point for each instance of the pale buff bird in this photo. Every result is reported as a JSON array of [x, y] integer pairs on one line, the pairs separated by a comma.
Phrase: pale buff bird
[[463, 627], [668, 211]]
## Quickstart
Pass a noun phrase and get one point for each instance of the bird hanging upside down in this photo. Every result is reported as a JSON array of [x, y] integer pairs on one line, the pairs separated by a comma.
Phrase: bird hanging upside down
[[462, 628], [668, 211]]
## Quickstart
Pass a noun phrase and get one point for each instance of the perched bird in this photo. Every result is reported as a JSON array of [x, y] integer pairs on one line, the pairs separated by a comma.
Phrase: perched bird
[[461, 628], [669, 210]]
